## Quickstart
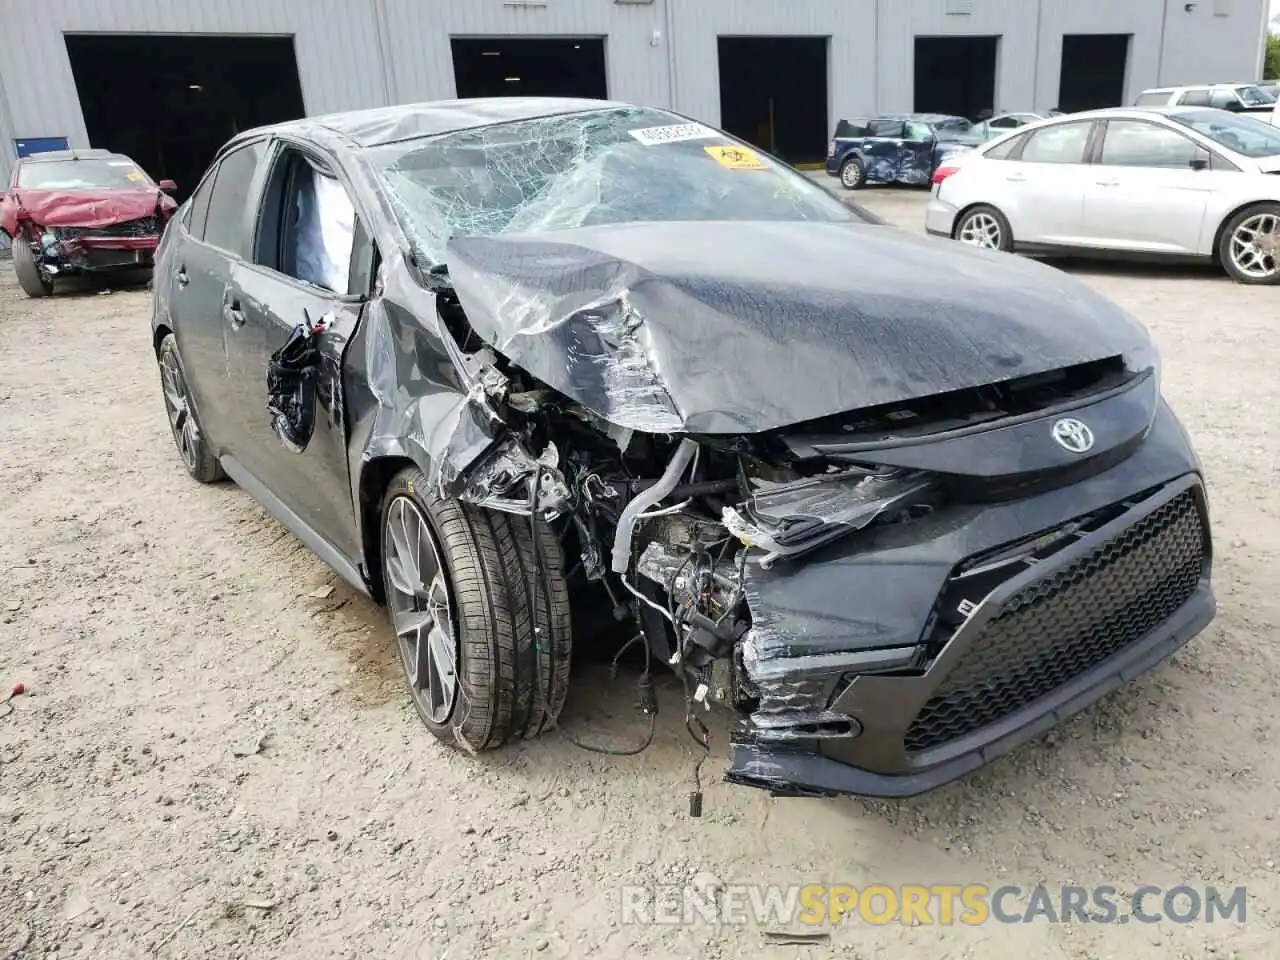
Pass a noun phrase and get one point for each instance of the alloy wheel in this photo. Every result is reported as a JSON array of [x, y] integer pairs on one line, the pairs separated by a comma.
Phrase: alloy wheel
[[421, 612], [1255, 246], [981, 230], [851, 175], [178, 406]]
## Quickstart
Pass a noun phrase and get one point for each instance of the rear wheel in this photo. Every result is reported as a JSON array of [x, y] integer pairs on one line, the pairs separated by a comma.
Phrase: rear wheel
[[853, 175], [1250, 245], [33, 282], [984, 227], [480, 613], [187, 435]]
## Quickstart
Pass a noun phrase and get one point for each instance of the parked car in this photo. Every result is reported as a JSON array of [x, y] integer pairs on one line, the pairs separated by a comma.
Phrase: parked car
[[81, 212], [521, 366], [1236, 97], [1003, 122], [899, 149], [1175, 182]]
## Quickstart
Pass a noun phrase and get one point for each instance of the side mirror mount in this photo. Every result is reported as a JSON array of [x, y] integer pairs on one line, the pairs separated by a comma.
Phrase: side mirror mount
[[168, 186], [1200, 163]]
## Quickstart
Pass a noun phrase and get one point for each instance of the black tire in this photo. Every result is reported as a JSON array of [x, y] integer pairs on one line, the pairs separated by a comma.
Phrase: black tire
[[188, 437], [1225, 245], [853, 174], [30, 279], [506, 682], [972, 215]]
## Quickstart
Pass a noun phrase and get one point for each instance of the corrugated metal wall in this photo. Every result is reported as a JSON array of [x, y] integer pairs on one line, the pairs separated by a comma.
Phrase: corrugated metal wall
[[360, 53]]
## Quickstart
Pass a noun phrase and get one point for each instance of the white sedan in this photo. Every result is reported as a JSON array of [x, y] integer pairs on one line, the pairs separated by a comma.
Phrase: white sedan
[[1176, 182]]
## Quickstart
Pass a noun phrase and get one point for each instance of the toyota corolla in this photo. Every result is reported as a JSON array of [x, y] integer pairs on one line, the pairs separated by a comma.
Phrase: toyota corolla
[[538, 374]]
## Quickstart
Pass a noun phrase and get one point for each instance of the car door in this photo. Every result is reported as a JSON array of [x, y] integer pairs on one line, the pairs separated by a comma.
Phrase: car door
[[298, 275], [1044, 182], [882, 151], [197, 275], [917, 154], [1144, 193]]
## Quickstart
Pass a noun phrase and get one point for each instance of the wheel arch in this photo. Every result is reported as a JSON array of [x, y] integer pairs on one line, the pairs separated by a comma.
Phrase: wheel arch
[[1227, 218], [966, 210], [375, 476]]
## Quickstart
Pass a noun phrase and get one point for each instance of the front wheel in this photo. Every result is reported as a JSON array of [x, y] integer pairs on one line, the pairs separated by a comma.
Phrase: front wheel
[[1250, 245], [480, 613], [986, 228], [30, 279]]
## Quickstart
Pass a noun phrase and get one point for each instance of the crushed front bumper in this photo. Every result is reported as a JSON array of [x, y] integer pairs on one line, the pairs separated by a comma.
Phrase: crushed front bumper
[[1043, 645]]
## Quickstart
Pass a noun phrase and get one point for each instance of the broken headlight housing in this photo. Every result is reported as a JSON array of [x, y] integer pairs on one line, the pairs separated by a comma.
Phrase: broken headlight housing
[[786, 519]]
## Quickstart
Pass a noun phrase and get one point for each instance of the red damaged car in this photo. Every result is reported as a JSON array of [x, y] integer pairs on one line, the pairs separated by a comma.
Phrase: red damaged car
[[82, 212]]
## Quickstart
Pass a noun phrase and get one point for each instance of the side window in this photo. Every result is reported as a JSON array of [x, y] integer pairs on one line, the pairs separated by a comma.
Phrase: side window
[[851, 129], [308, 224], [1133, 143], [1002, 151], [1195, 98], [224, 226], [1063, 143], [198, 207], [1223, 98], [1154, 99], [1006, 123], [919, 132], [889, 129]]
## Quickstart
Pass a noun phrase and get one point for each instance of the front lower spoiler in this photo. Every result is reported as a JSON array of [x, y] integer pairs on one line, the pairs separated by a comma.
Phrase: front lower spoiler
[[786, 772]]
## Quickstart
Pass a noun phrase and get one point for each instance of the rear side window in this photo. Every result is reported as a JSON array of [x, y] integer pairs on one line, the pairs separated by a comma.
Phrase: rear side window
[[1195, 98], [1063, 143], [198, 206], [1153, 100], [851, 129], [888, 128], [224, 227], [1002, 151]]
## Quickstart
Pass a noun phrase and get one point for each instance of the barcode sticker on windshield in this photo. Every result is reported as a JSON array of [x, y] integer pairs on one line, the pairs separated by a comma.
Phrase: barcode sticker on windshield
[[652, 136]]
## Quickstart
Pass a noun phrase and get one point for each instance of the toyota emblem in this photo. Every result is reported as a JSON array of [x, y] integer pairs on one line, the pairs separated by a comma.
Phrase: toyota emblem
[[1073, 435]]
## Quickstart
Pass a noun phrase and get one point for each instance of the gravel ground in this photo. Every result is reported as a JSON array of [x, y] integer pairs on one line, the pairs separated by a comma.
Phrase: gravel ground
[[216, 758]]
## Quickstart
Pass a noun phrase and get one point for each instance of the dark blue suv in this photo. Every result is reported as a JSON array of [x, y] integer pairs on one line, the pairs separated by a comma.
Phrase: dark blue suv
[[898, 149]]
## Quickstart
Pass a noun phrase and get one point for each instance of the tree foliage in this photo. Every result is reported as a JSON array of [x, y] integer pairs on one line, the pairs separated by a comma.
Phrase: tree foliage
[[1271, 67]]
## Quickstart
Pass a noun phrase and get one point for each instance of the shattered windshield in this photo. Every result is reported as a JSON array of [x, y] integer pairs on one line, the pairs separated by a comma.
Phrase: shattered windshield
[[959, 129], [84, 174], [584, 169]]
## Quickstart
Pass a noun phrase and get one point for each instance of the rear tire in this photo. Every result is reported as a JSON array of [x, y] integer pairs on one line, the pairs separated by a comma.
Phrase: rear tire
[[188, 437], [30, 279], [508, 683], [984, 227], [1249, 247], [853, 174]]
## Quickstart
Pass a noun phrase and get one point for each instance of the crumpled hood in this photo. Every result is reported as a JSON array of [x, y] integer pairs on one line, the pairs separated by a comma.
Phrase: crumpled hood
[[91, 208], [742, 327]]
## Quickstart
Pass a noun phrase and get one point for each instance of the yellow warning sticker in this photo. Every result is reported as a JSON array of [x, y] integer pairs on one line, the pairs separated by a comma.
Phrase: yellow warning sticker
[[134, 175], [736, 158]]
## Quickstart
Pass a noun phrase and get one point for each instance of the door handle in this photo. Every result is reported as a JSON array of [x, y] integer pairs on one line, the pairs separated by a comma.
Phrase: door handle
[[234, 315], [1108, 183], [1016, 178], [182, 277]]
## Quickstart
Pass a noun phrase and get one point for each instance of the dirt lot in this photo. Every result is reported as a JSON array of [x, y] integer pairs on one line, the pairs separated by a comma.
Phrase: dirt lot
[[216, 758]]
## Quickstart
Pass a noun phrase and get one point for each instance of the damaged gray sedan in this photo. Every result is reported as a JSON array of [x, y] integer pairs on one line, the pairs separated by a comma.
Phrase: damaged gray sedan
[[538, 373]]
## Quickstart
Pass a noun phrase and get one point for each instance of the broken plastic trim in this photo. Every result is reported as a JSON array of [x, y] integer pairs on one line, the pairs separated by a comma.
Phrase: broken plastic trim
[[292, 373], [785, 520], [504, 478]]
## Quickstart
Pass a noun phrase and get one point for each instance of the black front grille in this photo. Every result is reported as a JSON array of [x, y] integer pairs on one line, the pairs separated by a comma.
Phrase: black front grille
[[142, 227], [1068, 622]]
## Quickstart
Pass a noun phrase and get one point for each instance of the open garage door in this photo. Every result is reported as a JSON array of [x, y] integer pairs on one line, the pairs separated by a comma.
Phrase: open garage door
[[773, 93], [170, 102], [956, 75], [1093, 69], [530, 67]]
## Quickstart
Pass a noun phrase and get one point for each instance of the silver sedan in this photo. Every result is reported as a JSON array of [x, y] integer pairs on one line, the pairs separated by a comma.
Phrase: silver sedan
[[1174, 182]]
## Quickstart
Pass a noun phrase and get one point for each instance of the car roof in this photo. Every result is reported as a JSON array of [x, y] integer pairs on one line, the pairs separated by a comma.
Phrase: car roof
[[87, 154], [381, 125], [921, 117]]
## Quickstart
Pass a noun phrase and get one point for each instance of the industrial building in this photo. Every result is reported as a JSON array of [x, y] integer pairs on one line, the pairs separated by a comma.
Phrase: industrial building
[[168, 81]]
